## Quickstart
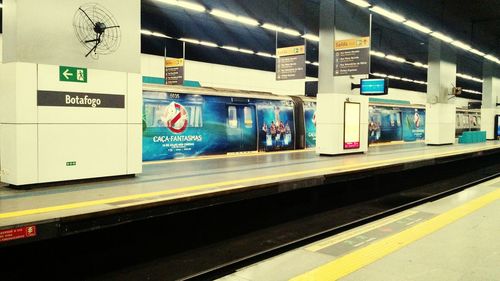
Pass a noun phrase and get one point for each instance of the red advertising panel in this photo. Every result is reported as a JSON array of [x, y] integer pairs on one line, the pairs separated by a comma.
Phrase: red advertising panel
[[17, 233]]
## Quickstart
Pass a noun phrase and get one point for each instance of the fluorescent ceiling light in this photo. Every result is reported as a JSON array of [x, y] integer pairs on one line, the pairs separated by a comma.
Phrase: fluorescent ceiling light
[[419, 64], [1, 5], [394, 77], [290, 32], [146, 32], [280, 29], [387, 14], [208, 44], [233, 17], [406, 80], [246, 51], [262, 54], [379, 74], [461, 45], [315, 63], [442, 37], [491, 58], [477, 52], [311, 37], [247, 21], [157, 34], [223, 14], [308, 62], [230, 48], [417, 26], [377, 54], [271, 27], [394, 58], [472, 91], [191, 6], [360, 3], [189, 40]]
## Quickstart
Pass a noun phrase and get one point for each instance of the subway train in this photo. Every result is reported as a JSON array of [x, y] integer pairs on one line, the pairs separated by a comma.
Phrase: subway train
[[181, 122]]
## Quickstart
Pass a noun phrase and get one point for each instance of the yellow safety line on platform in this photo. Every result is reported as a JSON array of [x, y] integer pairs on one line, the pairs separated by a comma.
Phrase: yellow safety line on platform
[[201, 189], [357, 231], [231, 155], [356, 260]]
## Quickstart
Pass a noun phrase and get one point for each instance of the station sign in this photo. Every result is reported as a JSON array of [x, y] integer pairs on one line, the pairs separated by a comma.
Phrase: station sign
[[174, 71], [73, 74], [291, 63], [352, 56], [71, 99]]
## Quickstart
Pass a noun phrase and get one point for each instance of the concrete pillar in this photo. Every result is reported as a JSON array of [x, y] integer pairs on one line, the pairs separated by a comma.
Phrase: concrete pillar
[[441, 78], [491, 93], [64, 115], [340, 20]]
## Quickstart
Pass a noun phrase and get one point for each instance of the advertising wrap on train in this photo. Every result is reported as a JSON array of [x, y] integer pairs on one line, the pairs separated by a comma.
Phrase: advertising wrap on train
[[186, 125], [310, 123]]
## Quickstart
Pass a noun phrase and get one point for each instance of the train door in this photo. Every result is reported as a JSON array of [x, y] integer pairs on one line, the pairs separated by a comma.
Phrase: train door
[[241, 128]]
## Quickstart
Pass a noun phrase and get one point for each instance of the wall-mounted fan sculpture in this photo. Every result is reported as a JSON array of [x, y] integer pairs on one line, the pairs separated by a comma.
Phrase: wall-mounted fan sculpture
[[97, 30]]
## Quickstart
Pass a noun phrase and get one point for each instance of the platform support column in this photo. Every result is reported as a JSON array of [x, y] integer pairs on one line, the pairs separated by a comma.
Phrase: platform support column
[[70, 106], [440, 113], [339, 20], [491, 93]]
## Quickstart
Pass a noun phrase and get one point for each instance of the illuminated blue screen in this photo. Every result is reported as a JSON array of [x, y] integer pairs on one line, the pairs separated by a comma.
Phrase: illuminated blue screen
[[373, 86]]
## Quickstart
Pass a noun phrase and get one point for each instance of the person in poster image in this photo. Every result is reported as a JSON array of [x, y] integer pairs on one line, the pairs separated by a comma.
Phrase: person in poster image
[[263, 133], [416, 119], [277, 115]]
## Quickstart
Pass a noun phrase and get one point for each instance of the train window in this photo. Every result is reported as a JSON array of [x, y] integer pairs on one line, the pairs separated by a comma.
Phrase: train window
[[232, 117], [195, 116], [248, 117]]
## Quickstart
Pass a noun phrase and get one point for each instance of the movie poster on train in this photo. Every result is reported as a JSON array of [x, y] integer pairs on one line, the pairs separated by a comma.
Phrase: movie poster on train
[[414, 124], [276, 125], [310, 123], [384, 124], [179, 126]]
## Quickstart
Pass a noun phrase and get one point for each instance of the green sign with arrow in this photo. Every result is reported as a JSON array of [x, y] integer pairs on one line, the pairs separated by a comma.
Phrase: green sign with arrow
[[72, 74]]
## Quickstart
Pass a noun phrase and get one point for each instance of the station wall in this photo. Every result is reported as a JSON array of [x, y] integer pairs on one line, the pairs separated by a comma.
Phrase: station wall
[[222, 76]]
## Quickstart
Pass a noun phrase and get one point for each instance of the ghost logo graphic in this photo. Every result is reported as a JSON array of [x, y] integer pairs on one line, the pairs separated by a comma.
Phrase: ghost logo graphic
[[175, 118]]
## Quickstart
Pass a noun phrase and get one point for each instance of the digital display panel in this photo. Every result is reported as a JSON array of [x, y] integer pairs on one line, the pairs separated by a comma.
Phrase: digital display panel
[[374, 86], [352, 125]]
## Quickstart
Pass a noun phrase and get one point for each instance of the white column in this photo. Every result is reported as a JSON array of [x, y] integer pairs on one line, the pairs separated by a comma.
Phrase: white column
[[441, 78], [339, 20], [60, 141], [491, 93]]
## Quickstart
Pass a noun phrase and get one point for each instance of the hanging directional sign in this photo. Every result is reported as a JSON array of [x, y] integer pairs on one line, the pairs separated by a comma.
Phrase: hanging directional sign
[[291, 63], [72, 74], [352, 56], [174, 71]]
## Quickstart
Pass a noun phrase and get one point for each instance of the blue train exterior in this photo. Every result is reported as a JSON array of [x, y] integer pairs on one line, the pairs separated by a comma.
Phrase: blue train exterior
[[182, 122], [179, 124]]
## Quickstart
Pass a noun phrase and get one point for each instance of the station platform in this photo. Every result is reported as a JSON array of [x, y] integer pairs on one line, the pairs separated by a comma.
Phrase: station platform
[[454, 238], [181, 185]]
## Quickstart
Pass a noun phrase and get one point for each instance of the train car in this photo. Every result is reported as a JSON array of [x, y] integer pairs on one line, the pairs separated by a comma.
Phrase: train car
[[181, 122], [396, 123], [467, 120]]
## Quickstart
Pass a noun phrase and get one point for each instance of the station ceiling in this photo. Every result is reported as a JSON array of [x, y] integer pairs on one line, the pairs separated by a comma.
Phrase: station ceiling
[[474, 22]]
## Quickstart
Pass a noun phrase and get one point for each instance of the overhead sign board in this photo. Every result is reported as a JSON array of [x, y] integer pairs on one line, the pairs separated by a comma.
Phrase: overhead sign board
[[291, 63], [352, 56], [174, 71], [73, 74]]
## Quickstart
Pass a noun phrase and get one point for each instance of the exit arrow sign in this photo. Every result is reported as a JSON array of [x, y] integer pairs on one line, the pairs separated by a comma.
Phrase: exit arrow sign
[[72, 74]]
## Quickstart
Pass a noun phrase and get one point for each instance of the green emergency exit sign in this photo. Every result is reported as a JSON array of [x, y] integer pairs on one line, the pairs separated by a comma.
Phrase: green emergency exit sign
[[72, 74]]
